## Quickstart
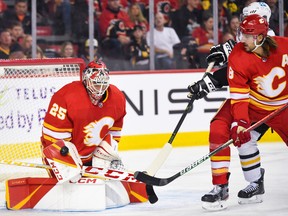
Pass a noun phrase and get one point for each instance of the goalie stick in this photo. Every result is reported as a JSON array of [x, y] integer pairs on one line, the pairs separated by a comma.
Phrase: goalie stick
[[151, 180], [167, 148]]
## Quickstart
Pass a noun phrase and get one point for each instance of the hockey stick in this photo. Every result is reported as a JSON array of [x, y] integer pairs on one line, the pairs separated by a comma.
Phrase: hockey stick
[[167, 148], [164, 153], [88, 171], [151, 180]]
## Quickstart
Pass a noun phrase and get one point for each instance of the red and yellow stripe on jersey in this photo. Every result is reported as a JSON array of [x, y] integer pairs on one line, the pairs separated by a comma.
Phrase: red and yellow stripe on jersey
[[72, 117], [258, 83]]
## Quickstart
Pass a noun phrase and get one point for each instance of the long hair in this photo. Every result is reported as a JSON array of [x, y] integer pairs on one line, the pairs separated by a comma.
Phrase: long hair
[[140, 17], [63, 46], [268, 45]]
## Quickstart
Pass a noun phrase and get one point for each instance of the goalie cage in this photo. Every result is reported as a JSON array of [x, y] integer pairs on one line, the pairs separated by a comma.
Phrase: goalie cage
[[26, 87]]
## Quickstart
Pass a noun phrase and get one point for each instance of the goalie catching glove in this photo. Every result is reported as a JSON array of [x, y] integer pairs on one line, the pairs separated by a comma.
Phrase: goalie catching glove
[[238, 133], [106, 155], [219, 53], [201, 88]]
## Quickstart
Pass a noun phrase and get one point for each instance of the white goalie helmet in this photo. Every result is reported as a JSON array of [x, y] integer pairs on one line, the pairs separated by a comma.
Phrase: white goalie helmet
[[95, 78], [260, 8]]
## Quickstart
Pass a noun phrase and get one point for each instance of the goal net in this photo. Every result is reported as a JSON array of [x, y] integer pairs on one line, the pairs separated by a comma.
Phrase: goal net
[[26, 87]]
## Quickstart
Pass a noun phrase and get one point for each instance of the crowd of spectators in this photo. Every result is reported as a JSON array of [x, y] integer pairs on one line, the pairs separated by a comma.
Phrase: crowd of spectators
[[183, 32]]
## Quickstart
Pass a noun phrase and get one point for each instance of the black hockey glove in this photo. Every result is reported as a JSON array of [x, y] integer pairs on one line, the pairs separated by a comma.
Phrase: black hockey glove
[[219, 53], [203, 87]]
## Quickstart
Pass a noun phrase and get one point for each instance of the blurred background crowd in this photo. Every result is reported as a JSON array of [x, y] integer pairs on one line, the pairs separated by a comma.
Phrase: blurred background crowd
[[182, 30]]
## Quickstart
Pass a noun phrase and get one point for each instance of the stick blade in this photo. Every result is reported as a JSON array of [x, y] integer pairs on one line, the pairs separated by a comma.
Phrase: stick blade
[[150, 180], [152, 197]]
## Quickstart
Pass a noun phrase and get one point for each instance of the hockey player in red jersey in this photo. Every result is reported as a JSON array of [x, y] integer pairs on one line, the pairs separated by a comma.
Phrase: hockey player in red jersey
[[257, 78], [89, 114], [215, 199], [83, 126]]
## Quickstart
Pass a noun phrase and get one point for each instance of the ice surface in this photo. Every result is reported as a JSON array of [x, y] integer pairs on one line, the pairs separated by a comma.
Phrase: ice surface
[[182, 196]]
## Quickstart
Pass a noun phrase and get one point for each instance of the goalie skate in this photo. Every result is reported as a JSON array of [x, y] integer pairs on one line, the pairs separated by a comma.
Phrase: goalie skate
[[215, 200], [253, 193]]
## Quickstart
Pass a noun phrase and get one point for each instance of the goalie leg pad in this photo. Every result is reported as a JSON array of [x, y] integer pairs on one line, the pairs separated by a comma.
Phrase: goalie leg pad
[[87, 194], [137, 191], [116, 195], [65, 167]]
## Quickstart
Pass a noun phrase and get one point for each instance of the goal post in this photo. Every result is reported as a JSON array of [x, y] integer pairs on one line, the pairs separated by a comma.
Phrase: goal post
[[26, 87]]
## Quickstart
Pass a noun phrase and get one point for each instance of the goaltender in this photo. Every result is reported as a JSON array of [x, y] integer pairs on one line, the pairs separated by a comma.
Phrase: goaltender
[[88, 115]]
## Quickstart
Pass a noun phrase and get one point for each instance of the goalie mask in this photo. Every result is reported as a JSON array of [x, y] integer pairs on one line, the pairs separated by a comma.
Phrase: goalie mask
[[96, 80]]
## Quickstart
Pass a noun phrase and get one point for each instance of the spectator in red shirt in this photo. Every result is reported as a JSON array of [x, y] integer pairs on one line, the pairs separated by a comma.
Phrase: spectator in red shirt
[[114, 24], [204, 37], [204, 34], [110, 15]]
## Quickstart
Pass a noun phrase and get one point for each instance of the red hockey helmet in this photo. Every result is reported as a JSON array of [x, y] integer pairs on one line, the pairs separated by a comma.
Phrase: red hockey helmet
[[96, 80], [254, 25]]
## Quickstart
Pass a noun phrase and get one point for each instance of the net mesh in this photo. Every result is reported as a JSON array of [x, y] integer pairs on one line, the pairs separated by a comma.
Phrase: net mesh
[[26, 87]]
